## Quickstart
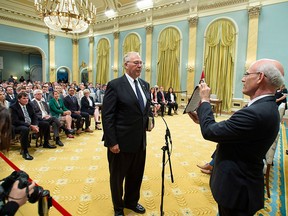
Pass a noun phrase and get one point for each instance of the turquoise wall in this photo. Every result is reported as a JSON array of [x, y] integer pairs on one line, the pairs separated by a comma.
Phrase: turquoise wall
[[63, 54], [273, 34], [273, 43], [27, 38]]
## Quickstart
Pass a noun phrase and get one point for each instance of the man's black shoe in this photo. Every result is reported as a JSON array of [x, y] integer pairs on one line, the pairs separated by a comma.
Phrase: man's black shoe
[[48, 145], [119, 213], [58, 142], [138, 208], [27, 156]]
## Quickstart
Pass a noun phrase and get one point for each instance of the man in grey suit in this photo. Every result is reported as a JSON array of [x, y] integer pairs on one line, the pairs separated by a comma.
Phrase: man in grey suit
[[125, 112], [42, 112], [237, 180]]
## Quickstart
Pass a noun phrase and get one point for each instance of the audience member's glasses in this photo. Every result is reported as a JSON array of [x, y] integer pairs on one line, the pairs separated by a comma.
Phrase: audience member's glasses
[[136, 62]]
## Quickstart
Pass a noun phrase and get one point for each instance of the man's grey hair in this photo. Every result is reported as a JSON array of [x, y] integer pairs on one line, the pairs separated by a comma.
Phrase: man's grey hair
[[272, 73], [36, 91], [126, 57]]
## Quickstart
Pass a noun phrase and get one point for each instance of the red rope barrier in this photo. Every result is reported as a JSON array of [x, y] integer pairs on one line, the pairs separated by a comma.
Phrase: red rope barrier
[[54, 202]]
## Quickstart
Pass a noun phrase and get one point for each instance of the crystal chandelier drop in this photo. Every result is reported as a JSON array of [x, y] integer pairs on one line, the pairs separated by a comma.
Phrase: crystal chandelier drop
[[70, 16]]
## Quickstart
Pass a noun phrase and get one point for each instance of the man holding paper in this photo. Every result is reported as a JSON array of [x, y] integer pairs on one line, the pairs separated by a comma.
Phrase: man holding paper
[[237, 181]]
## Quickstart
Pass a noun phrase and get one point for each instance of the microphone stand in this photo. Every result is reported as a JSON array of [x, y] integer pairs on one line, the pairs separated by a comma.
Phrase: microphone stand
[[164, 149]]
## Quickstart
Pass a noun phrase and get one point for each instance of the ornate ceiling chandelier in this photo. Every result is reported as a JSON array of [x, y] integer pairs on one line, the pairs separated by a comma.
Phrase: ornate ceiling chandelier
[[70, 16]]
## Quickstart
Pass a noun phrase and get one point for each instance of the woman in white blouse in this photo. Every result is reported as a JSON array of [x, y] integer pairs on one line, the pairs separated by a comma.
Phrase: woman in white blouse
[[88, 105]]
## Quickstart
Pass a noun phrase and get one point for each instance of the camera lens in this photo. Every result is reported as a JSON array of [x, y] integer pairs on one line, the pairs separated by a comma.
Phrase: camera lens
[[36, 195]]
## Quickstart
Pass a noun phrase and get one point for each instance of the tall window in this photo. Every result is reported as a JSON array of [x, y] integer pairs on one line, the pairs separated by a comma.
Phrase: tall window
[[131, 43], [103, 57], [219, 60], [169, 59]]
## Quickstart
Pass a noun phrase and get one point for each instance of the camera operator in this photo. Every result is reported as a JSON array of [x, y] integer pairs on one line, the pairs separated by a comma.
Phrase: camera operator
[[16, 197]]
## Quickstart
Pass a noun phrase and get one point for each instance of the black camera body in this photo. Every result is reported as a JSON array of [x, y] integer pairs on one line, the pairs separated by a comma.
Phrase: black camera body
[[39, 194]]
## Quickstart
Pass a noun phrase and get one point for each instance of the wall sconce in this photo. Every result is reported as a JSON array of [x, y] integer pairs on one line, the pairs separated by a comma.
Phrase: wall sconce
[[147, 68], [114, 69], [52, 69], [190, 68]]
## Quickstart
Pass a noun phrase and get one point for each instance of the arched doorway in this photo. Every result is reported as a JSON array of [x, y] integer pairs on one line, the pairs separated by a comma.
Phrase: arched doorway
[[84, 76], [63, 74]]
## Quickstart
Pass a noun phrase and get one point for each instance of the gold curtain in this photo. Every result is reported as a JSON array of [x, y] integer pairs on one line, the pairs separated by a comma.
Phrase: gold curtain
[[103, 56], [219, 60], [169, 59], [131, 43]]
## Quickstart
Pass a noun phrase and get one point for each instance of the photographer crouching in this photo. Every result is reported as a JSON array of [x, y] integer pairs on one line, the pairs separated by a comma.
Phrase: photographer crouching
[[16, 189]]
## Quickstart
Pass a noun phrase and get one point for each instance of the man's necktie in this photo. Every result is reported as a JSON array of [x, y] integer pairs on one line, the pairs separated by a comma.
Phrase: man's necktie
[[43, 108], [26, 115], [139, 95]]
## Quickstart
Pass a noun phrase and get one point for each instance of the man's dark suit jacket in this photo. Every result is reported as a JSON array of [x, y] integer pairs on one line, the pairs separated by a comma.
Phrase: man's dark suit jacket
[[70, 104], [10, 100], [237, 179], [85, 106], [37, 109], [17, 115], [123, 121]]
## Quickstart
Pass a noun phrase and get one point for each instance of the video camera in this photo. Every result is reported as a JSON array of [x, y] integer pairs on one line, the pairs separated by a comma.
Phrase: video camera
[[39, 194]]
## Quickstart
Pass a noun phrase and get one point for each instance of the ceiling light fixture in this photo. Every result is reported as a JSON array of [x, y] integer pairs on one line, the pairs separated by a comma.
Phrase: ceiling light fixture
[[110, 13], [144, 4], [70, 16]]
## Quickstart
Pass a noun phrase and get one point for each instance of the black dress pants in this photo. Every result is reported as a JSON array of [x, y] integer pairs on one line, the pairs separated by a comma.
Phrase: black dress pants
[[128, 166], [223, 211]]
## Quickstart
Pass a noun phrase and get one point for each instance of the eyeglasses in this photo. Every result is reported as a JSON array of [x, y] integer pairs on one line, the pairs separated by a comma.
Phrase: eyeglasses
[[136, 62], [247, 73]]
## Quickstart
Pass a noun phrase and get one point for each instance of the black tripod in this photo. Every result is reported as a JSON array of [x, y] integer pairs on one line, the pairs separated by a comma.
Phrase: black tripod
[[164, 149]]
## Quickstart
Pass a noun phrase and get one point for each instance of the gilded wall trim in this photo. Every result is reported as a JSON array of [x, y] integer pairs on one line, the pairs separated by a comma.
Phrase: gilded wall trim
[[116, 34], [193, 21], [254, 11], [149, 28]]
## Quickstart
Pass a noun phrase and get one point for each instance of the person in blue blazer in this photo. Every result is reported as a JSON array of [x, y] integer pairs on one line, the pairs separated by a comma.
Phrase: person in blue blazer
[[237, 180]]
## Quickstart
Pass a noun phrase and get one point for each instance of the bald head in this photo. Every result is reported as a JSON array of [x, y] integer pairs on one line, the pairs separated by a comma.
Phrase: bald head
[[276, 63]]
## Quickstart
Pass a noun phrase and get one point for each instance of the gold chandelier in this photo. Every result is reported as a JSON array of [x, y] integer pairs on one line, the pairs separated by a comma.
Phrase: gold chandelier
[[70, 16]]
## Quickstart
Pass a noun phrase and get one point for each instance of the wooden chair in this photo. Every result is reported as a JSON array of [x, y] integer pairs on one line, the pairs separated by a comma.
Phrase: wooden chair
[[268, 161]]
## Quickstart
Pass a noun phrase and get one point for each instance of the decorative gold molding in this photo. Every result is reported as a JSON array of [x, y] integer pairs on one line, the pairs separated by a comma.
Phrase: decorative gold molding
[[193, 21], [91, 39], [75, 41], [254, 11], [51, 37], [116, 34], [149, 28]]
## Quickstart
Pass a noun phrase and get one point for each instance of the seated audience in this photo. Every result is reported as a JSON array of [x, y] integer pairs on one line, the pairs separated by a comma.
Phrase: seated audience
[[42, 112], [58, 110], [71, 103], [281, 95], [154, 102], [10, 95], [3, 101], [161, 100], [88, 105], [16, 197], [171, 99], [24, 119]]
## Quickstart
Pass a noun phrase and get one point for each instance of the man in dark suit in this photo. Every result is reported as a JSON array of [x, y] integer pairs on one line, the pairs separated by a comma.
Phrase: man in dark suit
[[42, 112], [125, 112], [71, 103], [10, 95], [162, 100], [24, 119], [237, 181]]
